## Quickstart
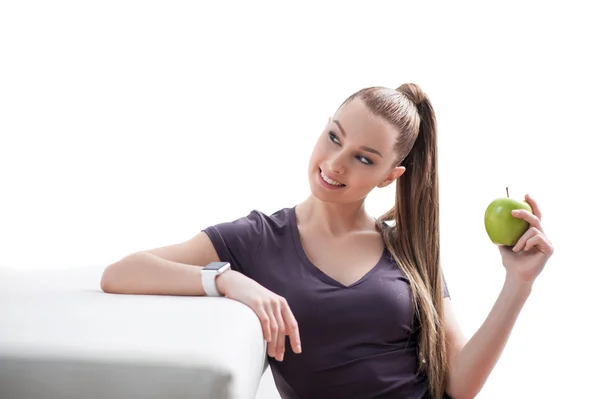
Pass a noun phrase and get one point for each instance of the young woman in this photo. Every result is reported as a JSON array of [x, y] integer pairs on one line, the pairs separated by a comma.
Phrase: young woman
[[363, 303]]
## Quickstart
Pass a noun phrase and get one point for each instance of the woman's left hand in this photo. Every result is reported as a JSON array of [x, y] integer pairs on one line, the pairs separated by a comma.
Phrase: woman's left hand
[[526, 259]]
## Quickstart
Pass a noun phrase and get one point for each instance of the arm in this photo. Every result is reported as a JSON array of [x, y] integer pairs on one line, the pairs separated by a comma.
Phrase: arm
[[169, 270], [166, 270], [471, 363], [173, 270]]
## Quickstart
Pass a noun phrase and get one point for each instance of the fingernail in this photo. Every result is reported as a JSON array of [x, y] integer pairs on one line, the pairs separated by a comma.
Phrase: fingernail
[[515, 212]]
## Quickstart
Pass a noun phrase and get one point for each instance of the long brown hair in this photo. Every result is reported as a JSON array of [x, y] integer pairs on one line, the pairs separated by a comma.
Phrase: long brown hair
[[414, 239]]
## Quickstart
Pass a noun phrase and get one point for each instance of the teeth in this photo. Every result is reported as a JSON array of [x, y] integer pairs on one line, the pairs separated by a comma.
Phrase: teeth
[[328, 180]]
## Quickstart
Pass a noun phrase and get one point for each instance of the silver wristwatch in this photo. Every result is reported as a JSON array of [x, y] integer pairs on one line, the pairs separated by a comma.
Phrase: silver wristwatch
[[209, 276]]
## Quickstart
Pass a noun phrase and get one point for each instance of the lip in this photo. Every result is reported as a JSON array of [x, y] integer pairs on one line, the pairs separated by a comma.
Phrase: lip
[[327, 185]]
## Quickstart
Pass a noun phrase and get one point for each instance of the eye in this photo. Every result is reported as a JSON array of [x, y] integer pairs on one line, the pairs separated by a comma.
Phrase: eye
[[364, 160], [333, 137]]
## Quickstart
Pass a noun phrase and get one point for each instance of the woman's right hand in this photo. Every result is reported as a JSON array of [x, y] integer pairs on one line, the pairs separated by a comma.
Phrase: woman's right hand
[[273, 311]]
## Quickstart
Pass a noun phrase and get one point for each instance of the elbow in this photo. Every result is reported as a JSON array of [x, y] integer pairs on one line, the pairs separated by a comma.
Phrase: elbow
[[465, 396], [465, 388], [114, 275], [461, 396], [463, 392], [107, 282]]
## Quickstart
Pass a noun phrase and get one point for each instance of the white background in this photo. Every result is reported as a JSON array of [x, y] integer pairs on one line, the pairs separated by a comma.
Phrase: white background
[[130, 125]]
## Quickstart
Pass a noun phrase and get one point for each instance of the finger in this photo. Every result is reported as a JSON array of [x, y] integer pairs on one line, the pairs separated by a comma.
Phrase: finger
[[534, 206], [274, 329], [523, 239], [280, 346], [265, 322], [291, 328], [277, 308], [541, 243], [272, 347], [528, 217], [281, 333]]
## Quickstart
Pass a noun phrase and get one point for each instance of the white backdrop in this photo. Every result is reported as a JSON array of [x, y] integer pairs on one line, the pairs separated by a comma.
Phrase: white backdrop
[[128, 125]]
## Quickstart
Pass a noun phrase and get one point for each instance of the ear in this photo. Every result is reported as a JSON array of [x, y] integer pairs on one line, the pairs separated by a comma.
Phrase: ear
[[394, 174]]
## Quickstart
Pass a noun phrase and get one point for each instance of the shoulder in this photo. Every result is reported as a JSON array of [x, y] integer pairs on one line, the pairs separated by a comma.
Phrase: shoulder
[[240, 241], [279, 219], [270, 226], [258, 221]]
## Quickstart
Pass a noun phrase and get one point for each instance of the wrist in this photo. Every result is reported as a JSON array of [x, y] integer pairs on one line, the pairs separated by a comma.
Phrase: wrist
[[222, 281], [517, 286]]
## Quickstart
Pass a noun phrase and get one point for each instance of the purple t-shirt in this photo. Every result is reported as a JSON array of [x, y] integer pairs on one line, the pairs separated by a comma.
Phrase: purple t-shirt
[[357, 341]]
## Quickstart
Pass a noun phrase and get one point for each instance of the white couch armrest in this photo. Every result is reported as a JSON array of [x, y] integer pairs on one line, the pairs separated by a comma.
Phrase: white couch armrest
[[62, 337]]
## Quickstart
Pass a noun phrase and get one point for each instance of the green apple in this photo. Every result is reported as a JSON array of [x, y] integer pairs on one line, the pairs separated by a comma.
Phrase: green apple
[[502, 227]]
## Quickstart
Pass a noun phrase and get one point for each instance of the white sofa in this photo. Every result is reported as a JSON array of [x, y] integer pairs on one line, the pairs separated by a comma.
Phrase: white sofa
[[61, 337]]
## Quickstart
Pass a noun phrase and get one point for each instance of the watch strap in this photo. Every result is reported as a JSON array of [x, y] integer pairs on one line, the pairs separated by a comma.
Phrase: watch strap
[[209, 278]]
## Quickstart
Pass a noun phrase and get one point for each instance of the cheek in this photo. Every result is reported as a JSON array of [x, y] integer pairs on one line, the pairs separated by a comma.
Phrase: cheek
[[320, 150], [315, 158], [366, 177]]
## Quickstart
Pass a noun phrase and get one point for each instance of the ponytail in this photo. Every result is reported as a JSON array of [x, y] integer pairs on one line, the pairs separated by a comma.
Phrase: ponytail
[[414, 239]]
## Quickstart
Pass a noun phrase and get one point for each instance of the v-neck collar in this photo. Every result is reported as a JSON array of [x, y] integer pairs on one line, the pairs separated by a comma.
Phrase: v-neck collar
[[293, 222]]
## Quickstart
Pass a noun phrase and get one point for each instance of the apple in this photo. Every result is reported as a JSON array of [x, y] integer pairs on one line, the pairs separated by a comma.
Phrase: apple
[[502, 227]]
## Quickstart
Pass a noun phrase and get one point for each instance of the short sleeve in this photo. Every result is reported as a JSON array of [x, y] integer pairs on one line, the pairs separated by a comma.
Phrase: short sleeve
[[446, 291], [238, 242]]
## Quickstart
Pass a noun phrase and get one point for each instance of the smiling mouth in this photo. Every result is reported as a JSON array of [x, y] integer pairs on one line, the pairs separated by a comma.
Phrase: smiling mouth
[[329, 181]]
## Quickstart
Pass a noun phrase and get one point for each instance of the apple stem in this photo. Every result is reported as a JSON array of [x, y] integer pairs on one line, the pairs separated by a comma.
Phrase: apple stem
[[508, 196]]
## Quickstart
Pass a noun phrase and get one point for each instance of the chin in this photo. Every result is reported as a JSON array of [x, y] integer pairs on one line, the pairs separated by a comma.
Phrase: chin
[[323, 195], [319, 194]]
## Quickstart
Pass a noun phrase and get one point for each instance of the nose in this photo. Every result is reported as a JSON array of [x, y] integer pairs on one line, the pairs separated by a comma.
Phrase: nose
[[336, 165]]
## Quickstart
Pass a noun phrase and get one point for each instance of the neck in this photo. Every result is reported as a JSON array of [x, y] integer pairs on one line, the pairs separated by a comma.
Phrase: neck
[[333, 219]]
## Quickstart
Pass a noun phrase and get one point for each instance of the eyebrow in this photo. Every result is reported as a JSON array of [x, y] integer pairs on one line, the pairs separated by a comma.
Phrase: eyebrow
[[364, 148]]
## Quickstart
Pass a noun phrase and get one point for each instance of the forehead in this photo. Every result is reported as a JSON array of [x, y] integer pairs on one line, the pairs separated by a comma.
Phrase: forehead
[[359, 122]]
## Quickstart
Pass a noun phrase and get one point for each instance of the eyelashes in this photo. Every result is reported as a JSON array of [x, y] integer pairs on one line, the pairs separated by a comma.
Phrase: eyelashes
[[333, 137], [362, 159]]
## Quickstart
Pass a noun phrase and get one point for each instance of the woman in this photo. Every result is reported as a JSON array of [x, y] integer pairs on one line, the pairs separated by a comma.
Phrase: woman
[[363, 302]]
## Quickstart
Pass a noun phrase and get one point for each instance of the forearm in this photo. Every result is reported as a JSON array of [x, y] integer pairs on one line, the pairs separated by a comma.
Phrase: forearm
[[145, 273], [471, 367]]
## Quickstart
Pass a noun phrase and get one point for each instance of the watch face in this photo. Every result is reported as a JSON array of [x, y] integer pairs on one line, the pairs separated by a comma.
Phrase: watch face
[[215, 265]]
